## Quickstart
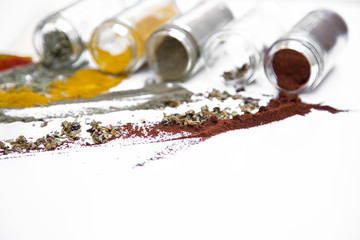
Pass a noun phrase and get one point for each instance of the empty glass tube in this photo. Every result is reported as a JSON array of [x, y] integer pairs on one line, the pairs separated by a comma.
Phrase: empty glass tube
[[174, 48], [299, 61], [117, 45], [61, 38], [235, 53]]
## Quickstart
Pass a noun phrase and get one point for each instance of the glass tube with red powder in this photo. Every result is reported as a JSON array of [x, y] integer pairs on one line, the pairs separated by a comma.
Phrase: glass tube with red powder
[[300, 60]]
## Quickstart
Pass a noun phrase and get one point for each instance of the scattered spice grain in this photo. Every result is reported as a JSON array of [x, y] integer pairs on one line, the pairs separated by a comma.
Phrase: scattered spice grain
[[236, 73], [69, 134], [190, 118]]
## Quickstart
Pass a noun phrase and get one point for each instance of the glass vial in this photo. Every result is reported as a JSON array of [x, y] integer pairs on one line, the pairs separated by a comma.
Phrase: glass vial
[[300, 60], [234, 54], [61, 38], [117, 45], [174, 48]]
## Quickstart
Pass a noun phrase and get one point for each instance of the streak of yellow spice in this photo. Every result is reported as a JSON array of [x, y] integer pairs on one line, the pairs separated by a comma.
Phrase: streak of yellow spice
[[22, 97], [85, 83]]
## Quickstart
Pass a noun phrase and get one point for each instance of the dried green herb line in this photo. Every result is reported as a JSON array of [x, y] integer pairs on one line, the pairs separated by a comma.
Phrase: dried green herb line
[[69, 133], [102, 134], [214, 94], [191, 118]]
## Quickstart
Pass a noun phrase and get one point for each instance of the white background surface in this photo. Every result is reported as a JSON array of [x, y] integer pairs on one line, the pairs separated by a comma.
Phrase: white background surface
[[294, 179]]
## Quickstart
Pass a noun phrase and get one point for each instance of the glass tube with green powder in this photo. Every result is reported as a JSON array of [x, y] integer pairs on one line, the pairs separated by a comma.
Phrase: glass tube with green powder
[[174, 49]]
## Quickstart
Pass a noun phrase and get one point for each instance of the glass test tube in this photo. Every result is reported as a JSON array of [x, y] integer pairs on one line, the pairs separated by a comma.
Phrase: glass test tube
[[117, 45], [60, 39], [300, 60], [174, 48], [234, 54]]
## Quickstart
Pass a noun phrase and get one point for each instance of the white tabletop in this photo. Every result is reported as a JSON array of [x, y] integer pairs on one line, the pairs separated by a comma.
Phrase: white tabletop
[[294, 179]]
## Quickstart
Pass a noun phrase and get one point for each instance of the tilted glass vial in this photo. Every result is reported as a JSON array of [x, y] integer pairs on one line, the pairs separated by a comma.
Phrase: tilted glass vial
[[117, 45], [234, 54], [300, 60], [173, 50], [61, 38]]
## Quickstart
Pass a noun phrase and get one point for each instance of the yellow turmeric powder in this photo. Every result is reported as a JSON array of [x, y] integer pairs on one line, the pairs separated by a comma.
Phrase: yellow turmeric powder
[[85, 83], [113, 33], [22, 97], [113, 63]]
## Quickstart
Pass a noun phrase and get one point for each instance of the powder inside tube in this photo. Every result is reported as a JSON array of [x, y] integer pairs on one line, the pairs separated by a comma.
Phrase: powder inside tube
[[171, 57], [292, 69]]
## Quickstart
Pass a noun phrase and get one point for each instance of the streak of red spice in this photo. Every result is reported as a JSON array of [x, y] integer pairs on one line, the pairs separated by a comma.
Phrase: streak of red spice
[[280, 108], [10, 61]]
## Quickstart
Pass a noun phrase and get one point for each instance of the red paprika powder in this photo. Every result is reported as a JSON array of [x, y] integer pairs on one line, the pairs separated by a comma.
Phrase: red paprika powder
[[292, 69], [10, 61]]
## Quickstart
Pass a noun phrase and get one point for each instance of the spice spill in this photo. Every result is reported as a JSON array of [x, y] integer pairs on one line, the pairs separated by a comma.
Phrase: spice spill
[[190, 125], [46, 86]]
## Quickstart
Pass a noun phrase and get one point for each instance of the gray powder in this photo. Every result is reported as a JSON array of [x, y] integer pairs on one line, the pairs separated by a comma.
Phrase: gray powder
[[57, 49]]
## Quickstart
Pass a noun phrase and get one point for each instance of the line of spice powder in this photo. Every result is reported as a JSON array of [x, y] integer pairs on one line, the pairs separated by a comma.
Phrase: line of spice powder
[[277, 109]]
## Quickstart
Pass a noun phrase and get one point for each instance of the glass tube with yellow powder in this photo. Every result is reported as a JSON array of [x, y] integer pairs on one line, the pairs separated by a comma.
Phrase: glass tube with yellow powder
[[117, 45]]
